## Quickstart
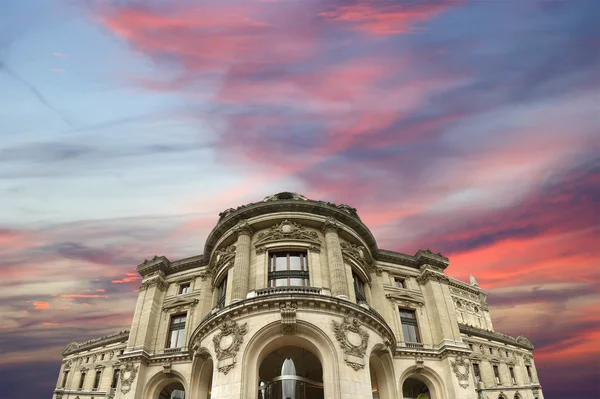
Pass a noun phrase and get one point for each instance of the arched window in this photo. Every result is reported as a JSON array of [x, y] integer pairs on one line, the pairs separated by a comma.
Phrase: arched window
[[359, 288], [291, 373]]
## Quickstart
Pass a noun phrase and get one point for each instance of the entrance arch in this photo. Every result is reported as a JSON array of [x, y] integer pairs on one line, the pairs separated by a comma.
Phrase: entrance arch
[[290, 372], [173, 390], [271, 338], [163, 386], [381, 370], [425, 376], [415, 389]]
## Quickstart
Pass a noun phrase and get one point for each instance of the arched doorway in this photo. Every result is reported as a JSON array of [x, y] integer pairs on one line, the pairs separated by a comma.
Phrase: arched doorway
[[173, 390], [415, 389], [205, 380], [290, 372]]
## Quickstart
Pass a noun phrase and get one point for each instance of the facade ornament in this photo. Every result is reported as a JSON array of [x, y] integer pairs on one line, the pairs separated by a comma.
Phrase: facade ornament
[[285, 196], [356, 252], [353, 341], [94, 358], [128, 373], [330, 224], [157, 281], [522, 340], [72, 346], [59, 395], [243, 228], [227, 343], [285, 231], [431, 275], [419, 363], [461, 370], [221, 257], [473, 281], [314, 249], [288, 317], [167, 368], [261, 250]]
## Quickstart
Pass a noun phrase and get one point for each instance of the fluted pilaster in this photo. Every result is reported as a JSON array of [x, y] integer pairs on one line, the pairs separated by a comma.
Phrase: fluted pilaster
[[339, 280], [241, 264]]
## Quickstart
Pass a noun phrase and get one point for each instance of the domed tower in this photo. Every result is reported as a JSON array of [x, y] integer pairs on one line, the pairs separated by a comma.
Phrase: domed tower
[[293, 299]]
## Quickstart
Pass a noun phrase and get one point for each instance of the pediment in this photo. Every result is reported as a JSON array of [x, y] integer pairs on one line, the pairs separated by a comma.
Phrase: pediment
[[406, 297], [180, 303]]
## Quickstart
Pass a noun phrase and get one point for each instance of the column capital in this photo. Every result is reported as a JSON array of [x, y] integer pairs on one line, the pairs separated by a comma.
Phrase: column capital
[[243, 228], [330, 224]]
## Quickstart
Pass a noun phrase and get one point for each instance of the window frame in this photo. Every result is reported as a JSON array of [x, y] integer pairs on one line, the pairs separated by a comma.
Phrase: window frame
[[412, 322], [179, 326], [222, 292], [513, 378], [97, 379], [290, 274], [184, 288], [529, 373], [65, 376], [359, 288], [401, 281], [476, 372], [496, 371], [115, 379], [81, 380]]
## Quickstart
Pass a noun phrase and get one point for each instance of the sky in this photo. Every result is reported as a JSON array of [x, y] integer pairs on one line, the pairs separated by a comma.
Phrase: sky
[[467, 127]]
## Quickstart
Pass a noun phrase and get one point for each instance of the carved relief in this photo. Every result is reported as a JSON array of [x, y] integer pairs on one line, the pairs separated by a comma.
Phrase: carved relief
[[330, 224], [419, 363], [461, 370], [243, 228], [522, 340], [353, 341], [157, 281], [222, 256], [430, 275], [227, 343], [128, 373], [288, 317], [356, 252], [287, 230]]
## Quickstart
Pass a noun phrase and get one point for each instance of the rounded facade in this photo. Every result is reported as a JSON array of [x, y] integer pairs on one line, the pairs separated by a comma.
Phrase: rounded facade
[[292, 298]]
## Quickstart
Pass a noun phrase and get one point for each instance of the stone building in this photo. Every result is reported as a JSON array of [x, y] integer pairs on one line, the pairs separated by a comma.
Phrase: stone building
[[292, 298]]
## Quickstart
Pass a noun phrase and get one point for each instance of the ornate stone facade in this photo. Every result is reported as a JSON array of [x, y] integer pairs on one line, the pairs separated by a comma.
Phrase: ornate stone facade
[[288, 279]]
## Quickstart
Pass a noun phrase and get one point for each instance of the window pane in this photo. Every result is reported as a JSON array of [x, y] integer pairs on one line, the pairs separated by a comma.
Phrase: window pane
[[297, 281], [180, 338], [407, 314], [295, 262], [173, 340], [281, 282], [280, 262]]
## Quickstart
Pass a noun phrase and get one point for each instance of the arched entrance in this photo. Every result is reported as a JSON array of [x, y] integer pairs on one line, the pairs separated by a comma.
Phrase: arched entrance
[[290, 372], [415, 389], [381, 371], [205, 380], [173, 390]]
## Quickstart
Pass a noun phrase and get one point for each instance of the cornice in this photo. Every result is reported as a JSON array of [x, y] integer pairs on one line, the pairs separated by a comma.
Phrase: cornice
[[520, 341], [75, 347]]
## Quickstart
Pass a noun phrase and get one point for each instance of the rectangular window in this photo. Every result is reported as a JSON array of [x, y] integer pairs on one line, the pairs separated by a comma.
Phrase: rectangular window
[[115, 379], [64, 382], [221, 293], [97, 379], [410, 329], [87, 359], [471, 347], [476, 372], [176, 331], [121, 351], [184, 288], [512, 375], [496, 374], [359, 288], [102, 356], [399, 283], [81, 380], [288, 269], [529, 373], [491, 350]]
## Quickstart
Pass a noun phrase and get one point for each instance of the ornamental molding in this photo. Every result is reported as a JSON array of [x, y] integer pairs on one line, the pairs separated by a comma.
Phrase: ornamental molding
[[461, 370], [419, 363], [358, 253], [494, 336], [315, 249], [429, 275], [128, 373], [353, 341], [222, 257], [285, 231], [157, 282], [179, 305], [524, 341], [227, 343], [288, 317], [405, 299]]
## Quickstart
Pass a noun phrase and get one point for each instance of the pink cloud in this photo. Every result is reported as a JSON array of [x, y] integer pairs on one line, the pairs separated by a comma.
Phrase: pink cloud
[[100, 290], [58, 70], [41, 305], [57, 54], [73, 296], [48, 324]]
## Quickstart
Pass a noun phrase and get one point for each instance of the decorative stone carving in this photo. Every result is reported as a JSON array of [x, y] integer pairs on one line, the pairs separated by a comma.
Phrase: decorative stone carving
[[419, 363], [222, 256], [356, 252], [243, 228], [261, 250], [285, 231], [227, 343], [431, 275], [406, 299], [285, 196], [314, 249], [157, 281], [128, 373], [353, 341], [167, 368], [522, 340], [94, 358], [180, 305], [461, 370], [330, 224], [288, 317], [59, 395]]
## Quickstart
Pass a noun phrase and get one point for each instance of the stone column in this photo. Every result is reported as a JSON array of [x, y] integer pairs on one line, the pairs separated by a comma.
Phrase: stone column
[[241, 264], [147, 313], [337, 272]]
